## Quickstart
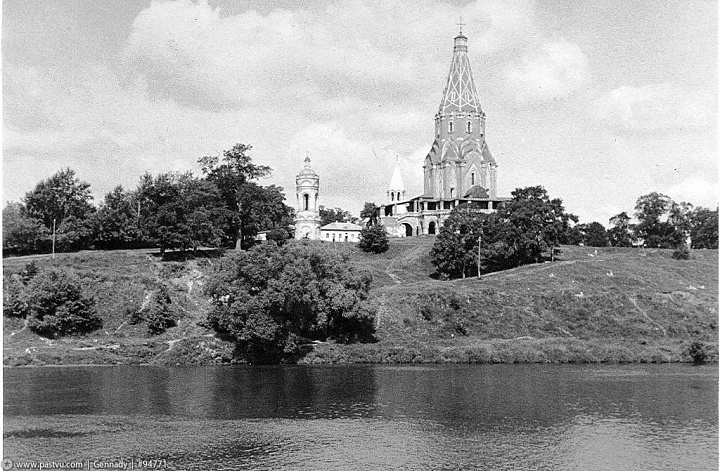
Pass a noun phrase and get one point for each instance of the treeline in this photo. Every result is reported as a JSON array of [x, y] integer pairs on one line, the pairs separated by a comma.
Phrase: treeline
[[661, 223], [223, 207], [530, 227]]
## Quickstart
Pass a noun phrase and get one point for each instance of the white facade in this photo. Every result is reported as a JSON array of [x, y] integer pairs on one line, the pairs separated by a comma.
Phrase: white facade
[[307, 219], [340, 232]]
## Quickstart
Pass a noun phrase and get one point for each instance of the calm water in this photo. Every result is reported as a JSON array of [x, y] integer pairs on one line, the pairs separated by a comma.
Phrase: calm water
[[499, 417]]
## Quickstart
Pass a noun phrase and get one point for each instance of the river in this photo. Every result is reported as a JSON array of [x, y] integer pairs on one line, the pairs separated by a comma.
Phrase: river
[[495, 417]]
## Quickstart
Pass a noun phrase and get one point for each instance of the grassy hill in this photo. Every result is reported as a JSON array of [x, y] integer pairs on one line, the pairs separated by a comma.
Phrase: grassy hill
[[610, 305]]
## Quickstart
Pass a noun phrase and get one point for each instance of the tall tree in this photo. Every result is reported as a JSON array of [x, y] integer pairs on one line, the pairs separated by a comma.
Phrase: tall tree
[[22, 234], [116, 224], [526, 227], [704, 228], [230, 174], [594, 235], [59, 197], [654, 227], [455, 250], [263, 209], [180, 211], [680, 218], [620, 235]]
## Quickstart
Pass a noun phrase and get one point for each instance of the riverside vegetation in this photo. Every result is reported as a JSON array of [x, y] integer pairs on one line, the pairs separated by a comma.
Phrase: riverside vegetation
[[589, 305]]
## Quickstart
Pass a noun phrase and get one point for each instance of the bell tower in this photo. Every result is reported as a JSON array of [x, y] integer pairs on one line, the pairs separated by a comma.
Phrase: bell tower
[[307, 190]]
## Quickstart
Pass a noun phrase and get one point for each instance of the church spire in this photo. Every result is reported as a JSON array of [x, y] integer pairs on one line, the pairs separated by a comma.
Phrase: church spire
[[396, 191], [460, 93]]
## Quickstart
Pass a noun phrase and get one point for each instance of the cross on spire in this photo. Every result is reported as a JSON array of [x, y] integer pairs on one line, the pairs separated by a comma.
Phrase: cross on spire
[[461, 24]]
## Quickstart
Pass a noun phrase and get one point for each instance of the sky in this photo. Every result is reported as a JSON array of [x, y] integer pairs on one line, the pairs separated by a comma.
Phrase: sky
[[598, 101]]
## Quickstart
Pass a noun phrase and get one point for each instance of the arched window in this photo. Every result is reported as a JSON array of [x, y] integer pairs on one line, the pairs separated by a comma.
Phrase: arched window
[[392, 196], [472, 178], [469, 126], [451, 126], [452, 192], [306, 202]]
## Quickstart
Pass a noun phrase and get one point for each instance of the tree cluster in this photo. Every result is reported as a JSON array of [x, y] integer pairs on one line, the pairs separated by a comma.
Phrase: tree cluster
[[525, 228], [531, 225], [271, 300], [224, 207], [663, 223]]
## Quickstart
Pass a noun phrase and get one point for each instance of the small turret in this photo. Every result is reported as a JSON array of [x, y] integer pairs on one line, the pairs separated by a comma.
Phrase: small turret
[[396, 190]]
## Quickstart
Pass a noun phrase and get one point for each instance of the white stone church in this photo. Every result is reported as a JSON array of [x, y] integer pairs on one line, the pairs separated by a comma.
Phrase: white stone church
[[458, 169]]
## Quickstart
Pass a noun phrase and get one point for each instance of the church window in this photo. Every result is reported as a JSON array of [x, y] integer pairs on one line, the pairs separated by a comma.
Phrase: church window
[[450, 126], [306, 201], [469, 126], [392, 196], [472, 178], [452, 192]]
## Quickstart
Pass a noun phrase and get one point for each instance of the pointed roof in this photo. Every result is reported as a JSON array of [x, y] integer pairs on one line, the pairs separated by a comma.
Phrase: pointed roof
[[460, 93], [307, 170], [396, 181]]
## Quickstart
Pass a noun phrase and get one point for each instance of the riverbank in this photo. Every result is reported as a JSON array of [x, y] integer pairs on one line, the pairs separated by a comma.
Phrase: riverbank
[[610, 305]]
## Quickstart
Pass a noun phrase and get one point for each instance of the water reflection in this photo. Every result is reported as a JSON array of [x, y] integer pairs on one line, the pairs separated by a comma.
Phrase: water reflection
[[381, 417]]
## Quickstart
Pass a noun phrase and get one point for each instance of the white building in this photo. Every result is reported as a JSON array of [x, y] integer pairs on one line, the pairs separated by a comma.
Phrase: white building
[[340, 232]]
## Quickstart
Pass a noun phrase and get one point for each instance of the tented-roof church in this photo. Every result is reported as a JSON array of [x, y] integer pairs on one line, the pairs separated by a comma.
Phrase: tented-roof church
[[459, 167]]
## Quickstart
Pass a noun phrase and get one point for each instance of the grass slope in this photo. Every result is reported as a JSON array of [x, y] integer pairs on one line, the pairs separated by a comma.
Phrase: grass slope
[[613, 305]]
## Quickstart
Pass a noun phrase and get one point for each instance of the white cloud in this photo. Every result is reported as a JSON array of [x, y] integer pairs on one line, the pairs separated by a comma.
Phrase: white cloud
[[198, 56], [698, 191], [556, 70], [654, 107]]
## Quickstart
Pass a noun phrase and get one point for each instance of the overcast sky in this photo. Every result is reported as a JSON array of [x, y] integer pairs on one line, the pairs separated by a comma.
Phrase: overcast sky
[[598, 101]]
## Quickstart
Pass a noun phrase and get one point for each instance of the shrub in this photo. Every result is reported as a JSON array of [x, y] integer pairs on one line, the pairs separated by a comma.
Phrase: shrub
[[698, 351], [14, 298], [160, 315], [56, 305], [157, 311], [374, 239], [15, 301], [270, 300]]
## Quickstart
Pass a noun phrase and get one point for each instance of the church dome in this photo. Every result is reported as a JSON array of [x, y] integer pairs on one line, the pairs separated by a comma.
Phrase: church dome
[[307, 171]]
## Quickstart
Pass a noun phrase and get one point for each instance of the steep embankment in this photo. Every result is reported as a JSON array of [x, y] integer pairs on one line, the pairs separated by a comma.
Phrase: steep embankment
[[613, 305], [608, 304], [124, 285]]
